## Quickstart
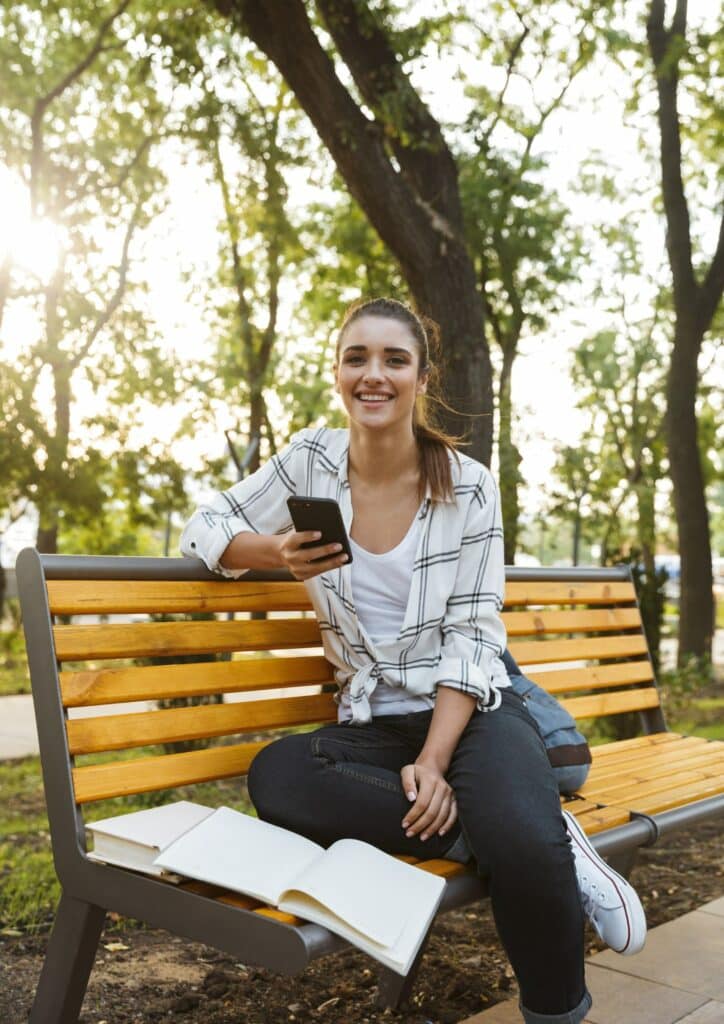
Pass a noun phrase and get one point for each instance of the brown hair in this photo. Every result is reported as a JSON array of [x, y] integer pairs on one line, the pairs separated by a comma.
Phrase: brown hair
[[434, 445]]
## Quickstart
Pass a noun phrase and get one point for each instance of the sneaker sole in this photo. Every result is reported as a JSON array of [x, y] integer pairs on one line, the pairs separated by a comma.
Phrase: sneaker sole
[[635, 917]]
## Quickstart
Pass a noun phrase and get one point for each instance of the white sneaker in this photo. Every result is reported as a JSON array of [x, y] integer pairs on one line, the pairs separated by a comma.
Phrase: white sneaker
[[610, 902]]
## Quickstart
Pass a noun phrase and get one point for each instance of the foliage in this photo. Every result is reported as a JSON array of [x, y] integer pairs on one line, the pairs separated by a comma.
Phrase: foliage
[[680, 687], [79, 124]]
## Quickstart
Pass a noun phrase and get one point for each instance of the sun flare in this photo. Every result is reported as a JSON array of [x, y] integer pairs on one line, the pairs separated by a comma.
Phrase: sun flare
[[30, 244]]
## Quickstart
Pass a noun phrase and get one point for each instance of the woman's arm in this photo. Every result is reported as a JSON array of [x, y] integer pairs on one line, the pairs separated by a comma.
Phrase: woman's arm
[[282, 551], [434, 808]]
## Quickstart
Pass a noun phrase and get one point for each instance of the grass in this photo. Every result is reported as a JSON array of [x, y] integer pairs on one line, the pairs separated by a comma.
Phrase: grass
[[14, 677], [29, 890]]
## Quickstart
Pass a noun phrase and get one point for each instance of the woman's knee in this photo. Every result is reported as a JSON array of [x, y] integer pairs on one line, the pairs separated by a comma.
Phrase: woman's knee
[[530, 848]]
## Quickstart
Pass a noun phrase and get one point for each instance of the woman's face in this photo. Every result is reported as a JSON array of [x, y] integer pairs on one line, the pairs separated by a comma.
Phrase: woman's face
[[377, 373]]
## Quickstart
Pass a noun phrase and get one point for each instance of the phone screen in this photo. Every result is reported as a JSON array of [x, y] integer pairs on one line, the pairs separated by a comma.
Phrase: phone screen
[[321, 514]]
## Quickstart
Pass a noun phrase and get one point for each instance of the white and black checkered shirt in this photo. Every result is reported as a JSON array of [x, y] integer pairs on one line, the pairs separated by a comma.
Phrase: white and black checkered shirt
[[452, 633]]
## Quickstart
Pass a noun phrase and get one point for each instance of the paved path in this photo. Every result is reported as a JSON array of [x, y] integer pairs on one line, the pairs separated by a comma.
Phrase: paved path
[[677, 977], [18, 735]]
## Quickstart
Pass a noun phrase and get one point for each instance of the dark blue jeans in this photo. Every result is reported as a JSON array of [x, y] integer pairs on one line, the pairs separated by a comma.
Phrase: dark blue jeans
[[343, 781]]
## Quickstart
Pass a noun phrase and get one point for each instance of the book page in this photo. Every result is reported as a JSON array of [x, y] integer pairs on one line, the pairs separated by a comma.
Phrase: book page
[[373, 892], [242, 853]]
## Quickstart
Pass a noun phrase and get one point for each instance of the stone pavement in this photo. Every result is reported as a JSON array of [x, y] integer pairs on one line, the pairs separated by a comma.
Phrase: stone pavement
[[677, 977]]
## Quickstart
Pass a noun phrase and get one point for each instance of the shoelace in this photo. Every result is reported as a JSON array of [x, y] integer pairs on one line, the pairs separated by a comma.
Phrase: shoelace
[[592, 897]]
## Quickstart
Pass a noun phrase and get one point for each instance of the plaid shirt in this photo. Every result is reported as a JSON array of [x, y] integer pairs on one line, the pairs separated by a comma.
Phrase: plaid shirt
[[452, 634]]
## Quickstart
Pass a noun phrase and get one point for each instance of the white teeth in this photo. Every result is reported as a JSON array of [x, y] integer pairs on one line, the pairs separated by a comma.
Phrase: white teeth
[[374, 398]]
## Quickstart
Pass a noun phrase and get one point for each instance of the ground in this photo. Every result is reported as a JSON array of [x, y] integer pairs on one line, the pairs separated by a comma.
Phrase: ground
[[143, 976]]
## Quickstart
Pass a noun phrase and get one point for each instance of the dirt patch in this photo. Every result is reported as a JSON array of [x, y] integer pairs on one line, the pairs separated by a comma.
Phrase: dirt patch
[[144, 977]]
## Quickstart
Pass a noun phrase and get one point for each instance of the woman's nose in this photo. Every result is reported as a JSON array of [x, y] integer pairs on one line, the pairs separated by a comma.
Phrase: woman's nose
[[373, 371]]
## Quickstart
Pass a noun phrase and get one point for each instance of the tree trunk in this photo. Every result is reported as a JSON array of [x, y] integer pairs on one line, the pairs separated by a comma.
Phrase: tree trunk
[[510, 459], [577, 534], [695, 303], [47, 542], [410, 196], [650, 594], [696, 602]]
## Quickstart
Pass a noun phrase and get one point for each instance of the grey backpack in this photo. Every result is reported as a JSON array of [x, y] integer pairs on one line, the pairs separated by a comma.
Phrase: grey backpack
[[568, 751]]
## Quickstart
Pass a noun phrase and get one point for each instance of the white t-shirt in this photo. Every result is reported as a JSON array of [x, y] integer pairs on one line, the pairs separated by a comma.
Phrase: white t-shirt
[[381, 587]]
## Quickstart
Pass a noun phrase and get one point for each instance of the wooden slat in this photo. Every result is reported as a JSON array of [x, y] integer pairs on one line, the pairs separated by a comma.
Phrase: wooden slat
[[162, 682], [117, 732], [543, 652], [612, 703], [619, 787], [689, 748], [646, 762], [115, 597], [627, 756], [678, 796], [547, 621], [597, 819], [167, 639], [594, 677], [144, 775], [604, 750], [532, 592]]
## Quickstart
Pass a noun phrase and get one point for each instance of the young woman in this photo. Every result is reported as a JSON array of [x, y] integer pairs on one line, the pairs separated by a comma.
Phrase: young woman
[[433, 754]]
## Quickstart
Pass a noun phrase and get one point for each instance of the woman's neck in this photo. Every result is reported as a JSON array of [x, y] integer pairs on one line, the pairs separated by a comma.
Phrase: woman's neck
[[376, 460]]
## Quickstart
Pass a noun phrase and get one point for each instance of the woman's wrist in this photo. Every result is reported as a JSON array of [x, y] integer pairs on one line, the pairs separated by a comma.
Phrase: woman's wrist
[[438, 760], [253, 551]]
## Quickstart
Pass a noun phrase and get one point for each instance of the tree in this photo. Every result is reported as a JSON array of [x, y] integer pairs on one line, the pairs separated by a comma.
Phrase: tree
[[697, 291], [618, 372], [78, 123], [393, 157]]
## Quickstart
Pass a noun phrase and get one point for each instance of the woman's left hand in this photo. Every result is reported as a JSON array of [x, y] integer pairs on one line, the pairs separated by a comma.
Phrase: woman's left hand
[[434, 809]]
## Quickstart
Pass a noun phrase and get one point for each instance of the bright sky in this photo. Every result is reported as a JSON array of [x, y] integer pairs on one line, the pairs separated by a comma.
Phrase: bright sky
[[182, 241]]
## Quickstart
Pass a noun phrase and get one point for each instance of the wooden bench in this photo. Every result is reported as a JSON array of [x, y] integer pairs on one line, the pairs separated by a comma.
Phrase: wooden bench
[[584, 623]]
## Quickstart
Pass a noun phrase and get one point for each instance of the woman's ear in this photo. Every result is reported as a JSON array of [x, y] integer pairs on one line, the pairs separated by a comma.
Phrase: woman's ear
[[334, 374], [422, 381]]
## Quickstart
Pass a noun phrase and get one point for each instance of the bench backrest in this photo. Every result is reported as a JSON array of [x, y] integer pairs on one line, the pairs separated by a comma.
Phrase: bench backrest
[[585, 623]]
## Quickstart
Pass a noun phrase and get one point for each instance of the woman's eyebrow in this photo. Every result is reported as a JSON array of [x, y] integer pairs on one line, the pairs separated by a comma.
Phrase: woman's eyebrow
[[363, 348]]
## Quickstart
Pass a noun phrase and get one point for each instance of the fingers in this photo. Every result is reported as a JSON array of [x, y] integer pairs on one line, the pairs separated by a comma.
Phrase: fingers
[[301, 561], [409, 783], [434, 809]]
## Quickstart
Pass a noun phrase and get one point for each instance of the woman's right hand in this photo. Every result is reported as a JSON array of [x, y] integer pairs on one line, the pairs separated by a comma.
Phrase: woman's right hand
[[300, 561]]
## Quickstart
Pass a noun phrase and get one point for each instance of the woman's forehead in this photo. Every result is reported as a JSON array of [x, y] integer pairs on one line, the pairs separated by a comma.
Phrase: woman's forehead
[[378, 332]]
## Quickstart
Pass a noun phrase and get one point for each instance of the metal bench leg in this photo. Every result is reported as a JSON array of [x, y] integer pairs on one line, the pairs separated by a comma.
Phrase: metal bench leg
[[625, 861], [393, 989], [68, 962]]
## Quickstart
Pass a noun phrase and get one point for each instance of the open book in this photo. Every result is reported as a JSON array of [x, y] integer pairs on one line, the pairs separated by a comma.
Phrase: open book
[[378, 903], [373, 900]]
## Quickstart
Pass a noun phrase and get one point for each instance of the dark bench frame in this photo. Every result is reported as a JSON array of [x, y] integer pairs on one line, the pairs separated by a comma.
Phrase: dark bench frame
[[90, 890]]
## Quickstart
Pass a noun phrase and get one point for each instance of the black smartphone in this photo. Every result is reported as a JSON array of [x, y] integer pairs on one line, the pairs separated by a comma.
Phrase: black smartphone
[[324, 515]]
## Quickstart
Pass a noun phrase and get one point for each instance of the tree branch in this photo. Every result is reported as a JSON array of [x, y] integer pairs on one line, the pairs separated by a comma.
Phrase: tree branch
[[115, 299], [343, 128], [413, 133], [43, 102], [663, 46], [712, 287], [513, 55]]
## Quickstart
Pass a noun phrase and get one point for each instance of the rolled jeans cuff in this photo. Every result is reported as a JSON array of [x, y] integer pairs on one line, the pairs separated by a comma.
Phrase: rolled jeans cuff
[[569, 1017]]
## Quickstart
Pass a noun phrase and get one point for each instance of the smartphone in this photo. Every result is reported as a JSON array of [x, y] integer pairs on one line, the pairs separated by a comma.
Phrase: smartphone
[[324, 515]]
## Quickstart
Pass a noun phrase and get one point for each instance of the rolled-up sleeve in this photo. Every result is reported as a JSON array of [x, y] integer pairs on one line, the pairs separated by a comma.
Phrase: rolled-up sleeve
[[474, 636], [257, 504]]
